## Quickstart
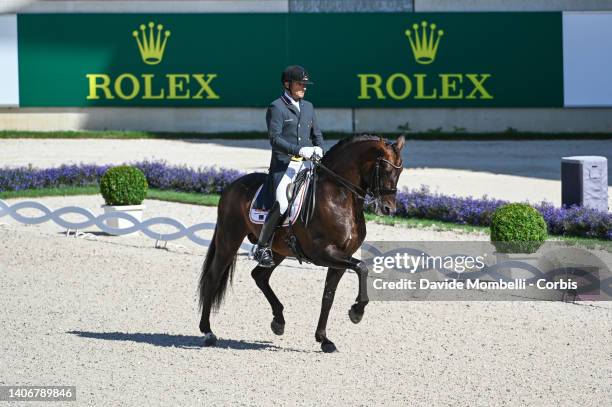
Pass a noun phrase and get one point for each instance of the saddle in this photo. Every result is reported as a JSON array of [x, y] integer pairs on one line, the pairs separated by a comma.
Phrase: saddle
[[301, 194], [301, 199]]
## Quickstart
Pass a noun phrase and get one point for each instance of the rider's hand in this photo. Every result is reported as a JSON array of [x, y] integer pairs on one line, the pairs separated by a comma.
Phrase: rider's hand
[[306, 152], [318, 151]]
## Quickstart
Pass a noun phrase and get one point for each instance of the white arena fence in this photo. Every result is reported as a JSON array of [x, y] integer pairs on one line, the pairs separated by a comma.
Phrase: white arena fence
[[99, 221]]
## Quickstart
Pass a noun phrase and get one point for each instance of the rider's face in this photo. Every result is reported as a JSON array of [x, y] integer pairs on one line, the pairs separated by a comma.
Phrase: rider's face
[[298, 89]]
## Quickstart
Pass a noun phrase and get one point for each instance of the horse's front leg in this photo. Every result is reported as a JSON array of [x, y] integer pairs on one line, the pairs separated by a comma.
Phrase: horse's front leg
[[334, 258], [357, 309], [331, 283]]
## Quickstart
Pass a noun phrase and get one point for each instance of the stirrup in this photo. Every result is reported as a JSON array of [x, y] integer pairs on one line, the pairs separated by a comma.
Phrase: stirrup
[[252, 255], [263, 256]]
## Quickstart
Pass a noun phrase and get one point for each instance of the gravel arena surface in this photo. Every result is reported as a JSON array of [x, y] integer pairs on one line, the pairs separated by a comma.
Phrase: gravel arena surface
[[118, 319]]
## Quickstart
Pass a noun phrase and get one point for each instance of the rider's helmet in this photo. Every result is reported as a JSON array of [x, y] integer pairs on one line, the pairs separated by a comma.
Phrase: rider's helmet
[[295, 73]]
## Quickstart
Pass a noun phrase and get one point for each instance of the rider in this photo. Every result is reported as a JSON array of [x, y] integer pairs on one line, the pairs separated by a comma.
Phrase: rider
[[294, 136]]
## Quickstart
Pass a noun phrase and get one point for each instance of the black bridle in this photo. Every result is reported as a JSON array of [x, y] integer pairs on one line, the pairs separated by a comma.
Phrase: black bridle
[[375, 188], [378, 190]]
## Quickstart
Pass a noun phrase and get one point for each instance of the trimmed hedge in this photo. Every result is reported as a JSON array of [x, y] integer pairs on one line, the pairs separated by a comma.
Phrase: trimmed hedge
[[123, 185], [517, 228]]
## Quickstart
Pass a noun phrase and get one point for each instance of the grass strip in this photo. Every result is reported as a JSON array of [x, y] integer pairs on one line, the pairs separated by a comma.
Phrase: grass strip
[[184, 197], [158, 194], [45, 192]]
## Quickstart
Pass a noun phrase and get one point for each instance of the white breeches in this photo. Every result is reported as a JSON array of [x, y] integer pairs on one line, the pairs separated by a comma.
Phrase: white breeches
[[290, 174]]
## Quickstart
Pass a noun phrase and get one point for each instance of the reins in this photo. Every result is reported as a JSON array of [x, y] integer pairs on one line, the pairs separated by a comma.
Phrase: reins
[[362, 194]]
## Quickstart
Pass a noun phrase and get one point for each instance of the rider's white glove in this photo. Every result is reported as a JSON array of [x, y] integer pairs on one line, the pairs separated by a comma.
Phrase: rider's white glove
[[318, 151], [306, 152]]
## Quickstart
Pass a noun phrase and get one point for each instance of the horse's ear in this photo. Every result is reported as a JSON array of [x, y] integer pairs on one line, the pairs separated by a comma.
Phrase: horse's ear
[[399, 143]]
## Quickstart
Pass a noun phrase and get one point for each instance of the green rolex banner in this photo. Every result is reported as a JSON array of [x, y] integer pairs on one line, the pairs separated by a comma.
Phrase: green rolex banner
[[356, 59]]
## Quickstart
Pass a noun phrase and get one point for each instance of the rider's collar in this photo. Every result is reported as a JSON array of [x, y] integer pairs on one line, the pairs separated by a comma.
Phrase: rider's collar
[[292, 101]]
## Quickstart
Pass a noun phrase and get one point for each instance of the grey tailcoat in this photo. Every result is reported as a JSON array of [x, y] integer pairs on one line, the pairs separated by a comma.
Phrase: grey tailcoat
[[289, 129]]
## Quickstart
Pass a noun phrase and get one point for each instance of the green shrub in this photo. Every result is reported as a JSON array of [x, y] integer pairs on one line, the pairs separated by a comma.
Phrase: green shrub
[[517, 228], [123, 185]]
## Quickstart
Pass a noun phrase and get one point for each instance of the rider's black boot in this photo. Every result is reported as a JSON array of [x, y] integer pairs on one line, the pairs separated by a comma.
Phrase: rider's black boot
[[262, 252]]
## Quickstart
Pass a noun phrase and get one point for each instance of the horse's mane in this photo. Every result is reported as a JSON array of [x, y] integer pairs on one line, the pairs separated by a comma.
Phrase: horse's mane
[[351, 140]]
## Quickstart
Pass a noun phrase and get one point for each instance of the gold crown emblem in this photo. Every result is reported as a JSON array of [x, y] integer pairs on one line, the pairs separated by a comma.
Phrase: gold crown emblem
[[424, 45], [151, 46]]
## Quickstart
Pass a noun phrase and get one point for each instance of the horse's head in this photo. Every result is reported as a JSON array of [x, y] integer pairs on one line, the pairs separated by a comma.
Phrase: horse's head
[[384, 170], [370, 163]]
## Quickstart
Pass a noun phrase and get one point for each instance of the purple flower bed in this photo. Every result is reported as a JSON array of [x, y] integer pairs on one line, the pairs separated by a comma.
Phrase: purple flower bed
[[572, 221], [17, 179], [576, 221], [420, 203], [207, 180]]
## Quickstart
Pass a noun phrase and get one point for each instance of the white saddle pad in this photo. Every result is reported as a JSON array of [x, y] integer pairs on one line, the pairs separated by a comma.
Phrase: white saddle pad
[[258, 216]]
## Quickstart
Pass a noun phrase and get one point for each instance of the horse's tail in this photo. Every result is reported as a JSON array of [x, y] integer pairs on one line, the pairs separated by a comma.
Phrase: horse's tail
[[227, 275]]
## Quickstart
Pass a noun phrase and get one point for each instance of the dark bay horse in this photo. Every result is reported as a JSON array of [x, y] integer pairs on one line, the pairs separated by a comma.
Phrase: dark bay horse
[[350, 169]]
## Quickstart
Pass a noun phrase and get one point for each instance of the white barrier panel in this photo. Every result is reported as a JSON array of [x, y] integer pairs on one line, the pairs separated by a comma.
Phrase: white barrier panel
[[9, 71], [587, 59], [100, 221]]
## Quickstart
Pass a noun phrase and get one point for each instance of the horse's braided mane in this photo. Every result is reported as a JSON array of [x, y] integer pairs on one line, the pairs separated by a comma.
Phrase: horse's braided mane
[[351, 140]]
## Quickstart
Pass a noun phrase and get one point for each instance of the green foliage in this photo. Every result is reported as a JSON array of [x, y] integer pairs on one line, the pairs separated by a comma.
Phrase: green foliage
[[123, 185], [511, 130], [517, 228], [404, 128]]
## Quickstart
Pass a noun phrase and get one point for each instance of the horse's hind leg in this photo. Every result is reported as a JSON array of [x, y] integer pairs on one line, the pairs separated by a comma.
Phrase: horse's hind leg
[[211, 283], [331, 282], [217, 272], [261, 275]]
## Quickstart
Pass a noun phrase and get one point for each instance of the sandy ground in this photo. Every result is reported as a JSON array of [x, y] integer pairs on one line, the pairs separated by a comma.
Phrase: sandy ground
[[118, 319], [515, 171]]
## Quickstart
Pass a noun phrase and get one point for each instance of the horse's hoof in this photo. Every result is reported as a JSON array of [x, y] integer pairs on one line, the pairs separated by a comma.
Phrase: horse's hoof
[[210, 339], [354, 316], [277, 327], [328, 346]]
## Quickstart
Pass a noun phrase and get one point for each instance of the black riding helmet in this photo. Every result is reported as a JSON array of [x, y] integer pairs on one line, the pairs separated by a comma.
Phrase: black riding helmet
[[295, 73]]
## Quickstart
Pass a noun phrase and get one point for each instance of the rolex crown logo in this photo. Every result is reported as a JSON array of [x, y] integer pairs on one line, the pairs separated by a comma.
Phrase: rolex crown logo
[[151, 44], [424, 44]]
